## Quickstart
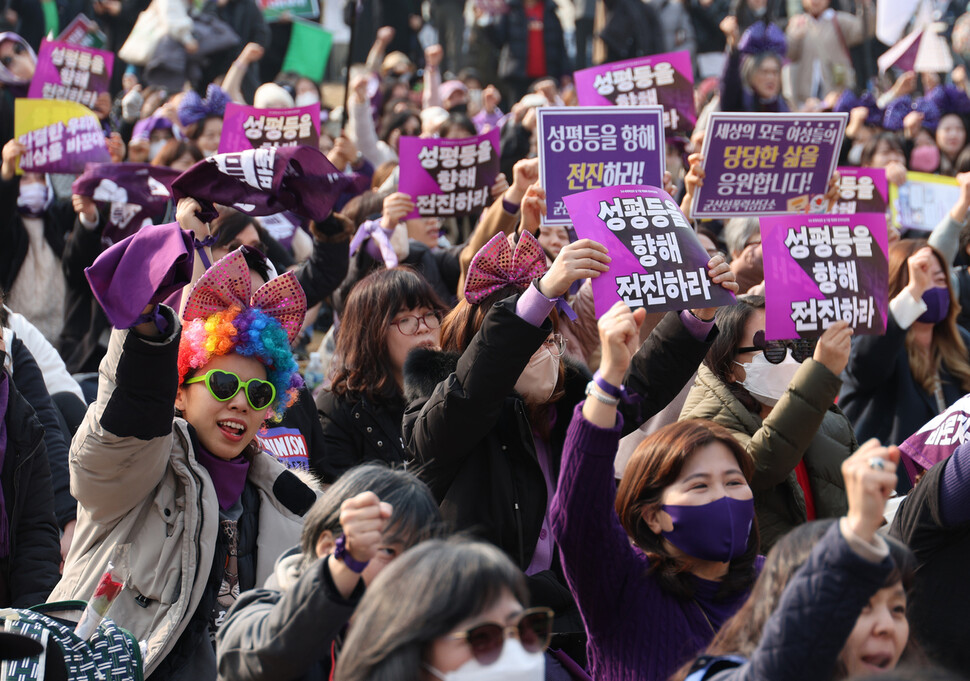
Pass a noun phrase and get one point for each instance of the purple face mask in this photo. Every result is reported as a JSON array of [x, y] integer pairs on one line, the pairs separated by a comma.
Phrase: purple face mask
[[715, 531], [937, 301]]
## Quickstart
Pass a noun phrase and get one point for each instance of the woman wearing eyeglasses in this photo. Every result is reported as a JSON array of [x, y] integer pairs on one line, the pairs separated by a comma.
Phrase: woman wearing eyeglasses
[[449, 611], [487, 418], [777, 399], [388, 313], [203, 511]]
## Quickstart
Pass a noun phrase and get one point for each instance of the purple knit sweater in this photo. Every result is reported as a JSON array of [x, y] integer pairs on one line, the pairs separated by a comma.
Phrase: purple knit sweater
[[636, 630]]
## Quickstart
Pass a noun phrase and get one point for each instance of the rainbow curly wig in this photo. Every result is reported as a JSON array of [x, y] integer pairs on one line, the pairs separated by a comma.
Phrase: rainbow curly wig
[[250, 333]]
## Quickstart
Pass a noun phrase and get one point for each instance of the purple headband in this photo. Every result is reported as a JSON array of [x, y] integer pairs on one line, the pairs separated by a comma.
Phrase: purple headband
[[193, 108], [144, 128], [849, 101], [763, 37], [5, 76], [949, 99]]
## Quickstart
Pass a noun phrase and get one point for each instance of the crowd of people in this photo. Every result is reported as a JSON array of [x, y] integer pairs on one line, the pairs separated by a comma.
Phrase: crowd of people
[[334, 441]]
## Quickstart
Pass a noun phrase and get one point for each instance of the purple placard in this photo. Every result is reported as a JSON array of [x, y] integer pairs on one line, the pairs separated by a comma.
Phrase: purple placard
[[767, 164], [61, 147], [588, 147], [657, 261], [448, 177], [246, 127], [938, 439], [820, 269], [861, 190], [664, 79], [71, 72]]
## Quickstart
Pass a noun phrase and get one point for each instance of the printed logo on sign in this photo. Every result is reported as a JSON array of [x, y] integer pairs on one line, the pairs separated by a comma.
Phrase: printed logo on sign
[[287, 445]]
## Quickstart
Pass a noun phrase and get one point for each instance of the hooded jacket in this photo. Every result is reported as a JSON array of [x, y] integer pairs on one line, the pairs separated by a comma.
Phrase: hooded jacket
[[805, 425]]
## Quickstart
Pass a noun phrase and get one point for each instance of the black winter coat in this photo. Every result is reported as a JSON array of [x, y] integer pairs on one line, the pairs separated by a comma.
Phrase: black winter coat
[[13, 235], [471, 435], [356, 431], [84, 321], [511, 35], [30, 572]]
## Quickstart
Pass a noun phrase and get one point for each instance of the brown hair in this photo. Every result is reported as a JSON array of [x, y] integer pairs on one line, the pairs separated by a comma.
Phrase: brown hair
[[947, 348], [174, 149], [655, 465], [365, 366]]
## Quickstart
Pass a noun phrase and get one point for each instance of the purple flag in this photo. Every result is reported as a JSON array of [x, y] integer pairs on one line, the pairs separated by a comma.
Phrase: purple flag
[[71, 72], [938, 439], [767, 164], [582, 148], [58, 137], [246, 127], [264, 181], [664, 79], [135, 193], [448, 177], [820, 269], [657, 261]]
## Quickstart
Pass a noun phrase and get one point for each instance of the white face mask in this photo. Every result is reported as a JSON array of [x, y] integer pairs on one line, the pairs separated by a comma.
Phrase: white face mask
[[155, 147], [307, 98], [855, 154], [538, 380], [514, 664], [32, 198], [767, 382], [209, 153]]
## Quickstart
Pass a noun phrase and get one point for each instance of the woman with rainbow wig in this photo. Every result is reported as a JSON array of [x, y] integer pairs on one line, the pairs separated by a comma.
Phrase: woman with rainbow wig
[[165, 462]]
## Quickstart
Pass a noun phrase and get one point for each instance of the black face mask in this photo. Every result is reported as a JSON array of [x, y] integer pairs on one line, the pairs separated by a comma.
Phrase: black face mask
[[459, 108]]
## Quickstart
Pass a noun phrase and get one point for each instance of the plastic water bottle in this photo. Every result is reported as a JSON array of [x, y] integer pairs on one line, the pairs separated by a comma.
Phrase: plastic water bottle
[[313, 376]]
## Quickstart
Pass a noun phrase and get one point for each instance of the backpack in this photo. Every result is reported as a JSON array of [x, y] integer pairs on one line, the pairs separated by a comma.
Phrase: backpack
[[111, 654]]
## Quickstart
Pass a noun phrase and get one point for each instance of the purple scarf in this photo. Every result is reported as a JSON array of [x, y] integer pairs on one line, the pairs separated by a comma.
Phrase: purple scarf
[[228, 477], [4, 522]]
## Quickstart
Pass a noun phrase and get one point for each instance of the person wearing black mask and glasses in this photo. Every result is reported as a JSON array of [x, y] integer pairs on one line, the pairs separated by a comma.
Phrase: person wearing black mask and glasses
[[777, 398]]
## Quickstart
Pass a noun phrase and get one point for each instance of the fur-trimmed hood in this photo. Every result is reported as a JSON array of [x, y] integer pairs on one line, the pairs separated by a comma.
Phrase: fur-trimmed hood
[[425, 368]]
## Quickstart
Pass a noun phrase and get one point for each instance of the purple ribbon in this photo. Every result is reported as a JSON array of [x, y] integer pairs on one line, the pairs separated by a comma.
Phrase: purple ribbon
[[200, 246], [372, 230], [154, 316]]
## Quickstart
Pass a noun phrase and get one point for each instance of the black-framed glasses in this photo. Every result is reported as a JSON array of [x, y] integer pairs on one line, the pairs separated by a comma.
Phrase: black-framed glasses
[[775, 350], [556, 344], [533, 629], [223, 385], [18, 50], [409, 325]]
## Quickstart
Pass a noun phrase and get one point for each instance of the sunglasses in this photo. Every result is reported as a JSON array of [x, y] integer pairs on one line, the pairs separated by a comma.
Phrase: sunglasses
[[223, 385], [533, 629], [18, 50], [775, 350]]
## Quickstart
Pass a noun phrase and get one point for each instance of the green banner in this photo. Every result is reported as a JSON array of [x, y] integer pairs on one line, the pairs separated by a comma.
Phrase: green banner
[[308, 51]]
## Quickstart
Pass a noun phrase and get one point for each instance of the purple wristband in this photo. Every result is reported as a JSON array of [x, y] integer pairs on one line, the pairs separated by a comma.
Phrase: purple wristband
[[340, 552], [619, 392], [510, 208]]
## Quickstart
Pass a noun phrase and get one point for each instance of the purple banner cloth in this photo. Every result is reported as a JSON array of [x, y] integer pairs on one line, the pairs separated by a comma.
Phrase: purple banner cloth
[[657, 261], [448, 177], [767, 164], [664, 79], [820, 269], [71, 72], [938, 439], [582, 148], [62, 146], [142, 270], [264, 181], [135, 193], [246, 127]]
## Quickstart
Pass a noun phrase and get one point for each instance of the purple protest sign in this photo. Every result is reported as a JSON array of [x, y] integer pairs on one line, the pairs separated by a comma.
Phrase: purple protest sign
[[861, 190], [664, 79], [657, 261], [246, 127], [820, 269], [135, 193], [588, 147], [448, 177], [58, 137], [938, 439], [71, 72], [767, 164]]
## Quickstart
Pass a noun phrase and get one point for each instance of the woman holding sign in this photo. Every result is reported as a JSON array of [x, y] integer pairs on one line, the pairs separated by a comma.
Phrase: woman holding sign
[[776, 398], [488, 425], [897, 382]]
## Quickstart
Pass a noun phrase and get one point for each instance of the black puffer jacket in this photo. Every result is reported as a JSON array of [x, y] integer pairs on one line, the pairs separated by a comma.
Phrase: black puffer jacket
[[511, 35], [30, 572], [356, 431], [470, 432]]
